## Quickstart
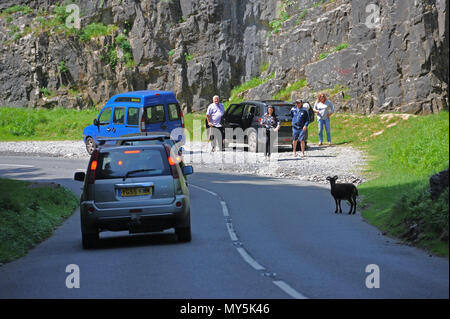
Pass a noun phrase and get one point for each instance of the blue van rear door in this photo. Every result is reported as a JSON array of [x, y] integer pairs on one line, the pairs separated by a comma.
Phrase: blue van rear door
[[155, 118], [174, 113]]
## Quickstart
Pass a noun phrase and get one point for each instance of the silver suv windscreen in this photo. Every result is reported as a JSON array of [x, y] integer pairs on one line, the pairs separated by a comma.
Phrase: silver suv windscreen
[[131, 163]]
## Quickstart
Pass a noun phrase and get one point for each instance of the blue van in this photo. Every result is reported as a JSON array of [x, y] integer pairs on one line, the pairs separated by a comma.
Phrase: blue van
[[132, 113]]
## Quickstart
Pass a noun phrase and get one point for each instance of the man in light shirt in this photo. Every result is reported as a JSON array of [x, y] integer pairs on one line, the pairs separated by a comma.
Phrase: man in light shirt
[[214, 115], [324, 109]]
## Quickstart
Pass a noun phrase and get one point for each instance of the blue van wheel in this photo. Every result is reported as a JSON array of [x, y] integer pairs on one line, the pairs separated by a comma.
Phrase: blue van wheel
[[90, 145]]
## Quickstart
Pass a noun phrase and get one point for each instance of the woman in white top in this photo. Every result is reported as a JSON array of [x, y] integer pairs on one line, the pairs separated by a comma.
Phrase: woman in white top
[[324, 109]]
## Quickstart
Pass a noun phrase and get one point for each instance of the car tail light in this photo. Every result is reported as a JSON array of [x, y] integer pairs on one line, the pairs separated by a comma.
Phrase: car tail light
[[143, 124], [259, 120], [92, 168], [172, 163], [287, 139], [178, 204], [182, 118]]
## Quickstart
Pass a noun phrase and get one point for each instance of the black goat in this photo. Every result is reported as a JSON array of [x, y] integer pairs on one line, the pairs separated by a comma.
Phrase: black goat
[[345, 191]]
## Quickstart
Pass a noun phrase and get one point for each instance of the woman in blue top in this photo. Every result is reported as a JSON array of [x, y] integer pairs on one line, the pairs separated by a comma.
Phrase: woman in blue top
[[271, 123]]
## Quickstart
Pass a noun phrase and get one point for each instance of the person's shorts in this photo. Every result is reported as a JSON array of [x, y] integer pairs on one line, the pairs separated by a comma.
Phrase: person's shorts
[[298, 134]]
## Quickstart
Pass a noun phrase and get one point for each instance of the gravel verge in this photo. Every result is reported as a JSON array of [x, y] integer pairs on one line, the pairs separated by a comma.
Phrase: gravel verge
[[319, 162]]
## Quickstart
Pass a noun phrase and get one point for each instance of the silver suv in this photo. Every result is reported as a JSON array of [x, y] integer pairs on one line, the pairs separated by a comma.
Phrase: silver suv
[[135, 188]]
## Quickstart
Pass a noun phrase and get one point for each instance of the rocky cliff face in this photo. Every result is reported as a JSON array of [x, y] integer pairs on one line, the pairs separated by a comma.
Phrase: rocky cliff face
[[201, 48]]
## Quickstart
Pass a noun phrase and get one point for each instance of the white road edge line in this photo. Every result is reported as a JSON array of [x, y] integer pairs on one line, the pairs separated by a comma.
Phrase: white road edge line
[[252, 262], [288, 289], [249, 259], [204, 189], [231, 232], [224, 209]]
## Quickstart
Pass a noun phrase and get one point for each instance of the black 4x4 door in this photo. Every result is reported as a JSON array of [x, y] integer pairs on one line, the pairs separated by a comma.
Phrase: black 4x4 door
[[243, 116], [246, 116]]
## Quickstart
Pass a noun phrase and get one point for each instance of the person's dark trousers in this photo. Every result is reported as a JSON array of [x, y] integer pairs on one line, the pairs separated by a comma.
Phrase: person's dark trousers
[[217, 137], [268, 146]]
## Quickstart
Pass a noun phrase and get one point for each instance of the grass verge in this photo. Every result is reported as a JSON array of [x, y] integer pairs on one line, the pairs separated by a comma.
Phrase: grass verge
[[24, 124], [397, 199], [28, 215]]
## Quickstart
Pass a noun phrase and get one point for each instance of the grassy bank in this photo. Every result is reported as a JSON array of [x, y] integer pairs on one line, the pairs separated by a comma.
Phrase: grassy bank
[[28, 215], [25, 124], [397, 199]]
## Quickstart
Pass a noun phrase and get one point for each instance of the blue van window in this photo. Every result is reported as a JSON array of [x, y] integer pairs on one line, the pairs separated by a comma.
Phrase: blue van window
[[154, 114], [133, 116], [119, 115], [105, 116], [174, 111]]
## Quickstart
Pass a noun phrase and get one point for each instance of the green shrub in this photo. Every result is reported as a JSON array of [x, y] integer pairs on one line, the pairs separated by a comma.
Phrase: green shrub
[[263, 68], [29, 215], [17, 8], [323, 55], [46, 92], [62, 68], [252, 83], [94, 30], [417, 207], [340, 47], [285, 94], [337, 48], [301, 16]]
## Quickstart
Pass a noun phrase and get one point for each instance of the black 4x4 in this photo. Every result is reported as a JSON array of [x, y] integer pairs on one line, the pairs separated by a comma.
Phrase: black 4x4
[[247, 116]]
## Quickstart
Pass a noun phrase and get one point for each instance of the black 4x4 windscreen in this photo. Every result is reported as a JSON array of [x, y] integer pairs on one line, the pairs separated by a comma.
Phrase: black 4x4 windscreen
[[131, 163], [283, 110]]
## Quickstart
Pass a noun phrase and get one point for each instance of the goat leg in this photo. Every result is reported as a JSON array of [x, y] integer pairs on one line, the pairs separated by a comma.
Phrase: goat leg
[[336, 202], [351, 206], [340, 208]]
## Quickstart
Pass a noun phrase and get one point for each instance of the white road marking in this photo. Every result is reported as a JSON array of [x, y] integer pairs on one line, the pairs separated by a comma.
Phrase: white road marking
[[231, 232], [252, 262], [249, 259], [224, 209], [204, 189], [17, 165], [288, 289]]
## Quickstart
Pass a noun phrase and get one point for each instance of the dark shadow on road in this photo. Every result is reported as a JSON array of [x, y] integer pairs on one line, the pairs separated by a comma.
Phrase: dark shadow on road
[[20, 172]]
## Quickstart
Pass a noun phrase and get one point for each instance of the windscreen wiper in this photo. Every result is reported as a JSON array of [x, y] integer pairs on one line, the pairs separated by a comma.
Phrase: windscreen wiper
[[138, 171]]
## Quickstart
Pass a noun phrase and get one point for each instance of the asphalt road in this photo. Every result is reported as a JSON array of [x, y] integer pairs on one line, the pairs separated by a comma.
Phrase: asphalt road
[[253, 237]]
